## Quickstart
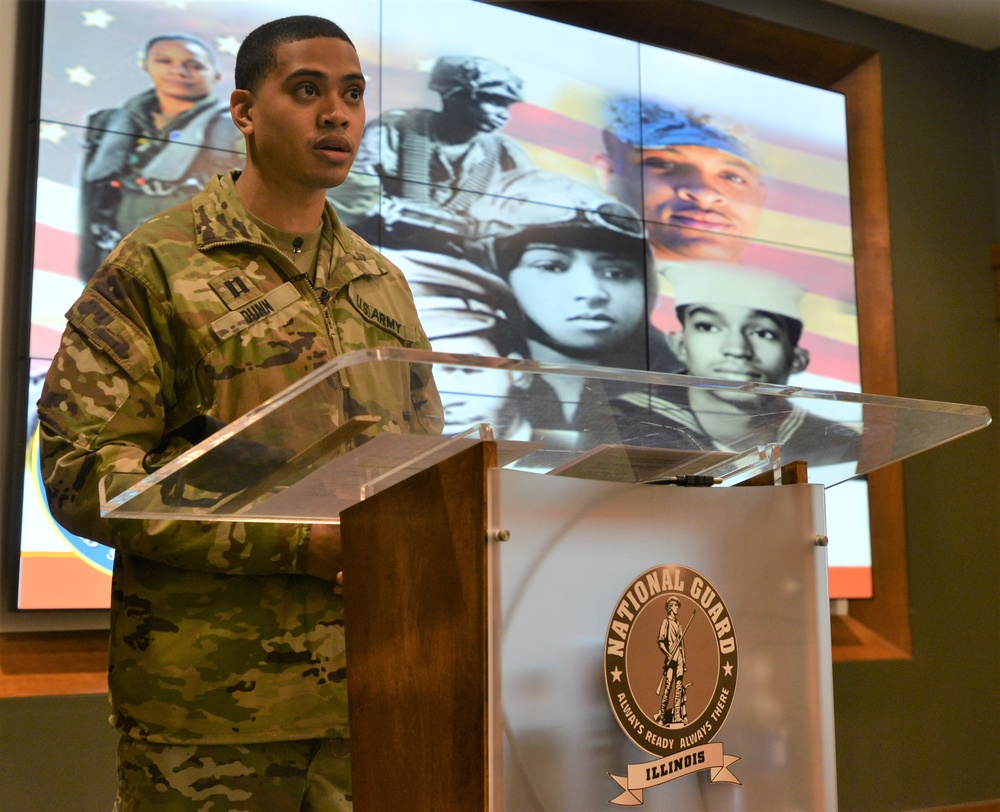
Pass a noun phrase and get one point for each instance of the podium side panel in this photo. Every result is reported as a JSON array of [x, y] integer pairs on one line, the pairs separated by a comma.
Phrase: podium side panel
[[575, 549], [416, 607]]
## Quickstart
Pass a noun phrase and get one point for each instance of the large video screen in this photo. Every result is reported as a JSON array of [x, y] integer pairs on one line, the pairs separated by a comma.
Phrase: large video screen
[[550, 192]]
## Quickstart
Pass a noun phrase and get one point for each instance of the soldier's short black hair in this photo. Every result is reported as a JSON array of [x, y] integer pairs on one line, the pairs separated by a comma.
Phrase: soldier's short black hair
[[181, 38], [257, 56]]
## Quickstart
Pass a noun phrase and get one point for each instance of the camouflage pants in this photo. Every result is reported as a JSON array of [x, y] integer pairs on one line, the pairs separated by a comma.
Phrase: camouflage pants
[[301, 776]]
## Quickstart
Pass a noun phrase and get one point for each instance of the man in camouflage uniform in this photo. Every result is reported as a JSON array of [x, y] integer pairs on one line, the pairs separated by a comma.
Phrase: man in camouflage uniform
[[227, 671], [157, 149]]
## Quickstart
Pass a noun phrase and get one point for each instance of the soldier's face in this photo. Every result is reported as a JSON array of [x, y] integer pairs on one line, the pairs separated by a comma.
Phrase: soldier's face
[[485, 112], [699, 202], [582, 299], [180, 70], [304, 123], [738, 344], [470, 395]]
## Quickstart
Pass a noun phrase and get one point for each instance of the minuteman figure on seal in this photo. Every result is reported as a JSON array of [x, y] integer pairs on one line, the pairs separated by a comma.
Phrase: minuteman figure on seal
[[671, 643]]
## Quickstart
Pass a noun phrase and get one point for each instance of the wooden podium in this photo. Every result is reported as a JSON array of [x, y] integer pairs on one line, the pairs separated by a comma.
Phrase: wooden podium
[[426, 608], [419, 645], [505, 598]]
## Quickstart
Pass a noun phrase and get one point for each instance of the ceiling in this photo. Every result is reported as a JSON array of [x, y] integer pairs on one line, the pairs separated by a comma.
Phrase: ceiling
[[972, 22]]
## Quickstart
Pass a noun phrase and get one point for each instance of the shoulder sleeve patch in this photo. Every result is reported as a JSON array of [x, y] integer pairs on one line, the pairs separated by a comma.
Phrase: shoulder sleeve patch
[[379, 317], [107, 329]]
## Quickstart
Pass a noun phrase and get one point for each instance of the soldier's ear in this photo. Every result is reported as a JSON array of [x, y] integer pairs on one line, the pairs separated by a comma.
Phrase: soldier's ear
[[800, 359], [241, 107], [679, 346]]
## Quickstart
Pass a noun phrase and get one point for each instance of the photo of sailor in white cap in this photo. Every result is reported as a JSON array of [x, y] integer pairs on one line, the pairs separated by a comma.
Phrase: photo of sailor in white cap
[[743, 325]]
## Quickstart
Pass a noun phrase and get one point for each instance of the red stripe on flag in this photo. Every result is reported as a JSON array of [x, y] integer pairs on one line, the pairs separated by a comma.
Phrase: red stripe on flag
[[820, 274], [56, 250], [831, 358], [562, 134], [803, 201]]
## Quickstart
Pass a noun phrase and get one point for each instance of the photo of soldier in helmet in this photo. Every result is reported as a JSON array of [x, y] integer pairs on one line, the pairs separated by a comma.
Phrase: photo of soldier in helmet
[[157, 149], [433, 164], [580, 271], [581, 277]]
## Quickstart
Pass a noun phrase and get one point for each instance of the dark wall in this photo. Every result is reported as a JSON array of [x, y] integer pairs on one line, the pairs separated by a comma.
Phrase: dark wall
[[56, 753], [993, 79]]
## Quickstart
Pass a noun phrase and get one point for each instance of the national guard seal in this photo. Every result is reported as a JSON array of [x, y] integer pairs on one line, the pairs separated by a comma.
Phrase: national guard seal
[[671, 663]]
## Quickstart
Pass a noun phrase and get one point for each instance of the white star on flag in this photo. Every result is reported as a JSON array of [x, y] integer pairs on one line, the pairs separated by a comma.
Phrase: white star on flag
[[80, 76], [51, 131], [98, 18], [227, 45]]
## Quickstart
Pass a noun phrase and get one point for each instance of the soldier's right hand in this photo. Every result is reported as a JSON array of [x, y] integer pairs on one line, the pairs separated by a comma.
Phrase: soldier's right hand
[[322, 553]]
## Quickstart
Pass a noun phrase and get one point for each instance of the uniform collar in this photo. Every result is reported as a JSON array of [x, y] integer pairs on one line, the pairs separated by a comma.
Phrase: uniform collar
[[142, 106], [221, 219]]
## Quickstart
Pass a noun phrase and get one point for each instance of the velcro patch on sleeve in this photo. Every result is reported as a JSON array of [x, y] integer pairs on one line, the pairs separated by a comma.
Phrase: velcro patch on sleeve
[[235, 288], [384, 320]]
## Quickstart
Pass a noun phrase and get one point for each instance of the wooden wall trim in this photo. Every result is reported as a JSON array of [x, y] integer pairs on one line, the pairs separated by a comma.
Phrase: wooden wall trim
[[53, 663], [887, 615], [697, 28]]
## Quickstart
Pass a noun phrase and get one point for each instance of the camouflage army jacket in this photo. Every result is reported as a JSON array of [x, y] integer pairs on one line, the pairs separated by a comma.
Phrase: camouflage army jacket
[[217, 635]]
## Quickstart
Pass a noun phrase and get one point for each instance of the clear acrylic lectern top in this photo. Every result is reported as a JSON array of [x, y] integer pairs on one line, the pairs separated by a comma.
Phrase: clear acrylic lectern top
[[297, 457]]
